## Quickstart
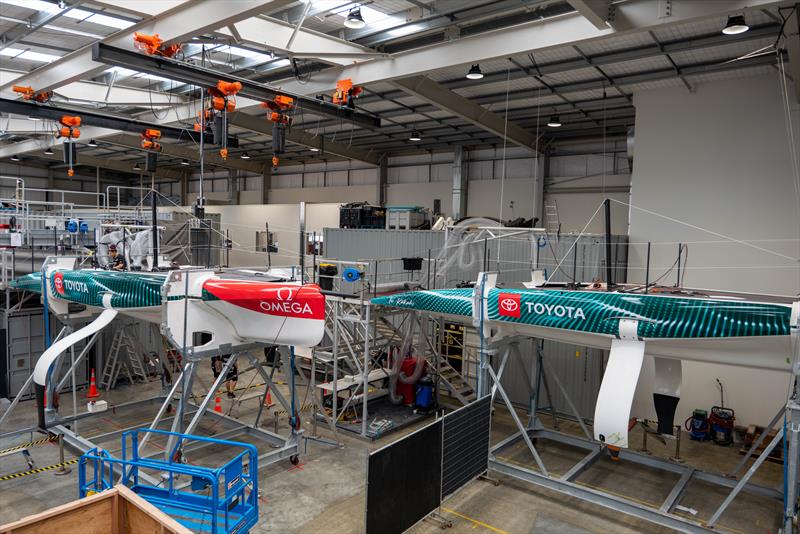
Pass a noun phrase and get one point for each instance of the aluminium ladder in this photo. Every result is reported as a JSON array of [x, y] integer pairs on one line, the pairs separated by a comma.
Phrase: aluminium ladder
[[123, 357]]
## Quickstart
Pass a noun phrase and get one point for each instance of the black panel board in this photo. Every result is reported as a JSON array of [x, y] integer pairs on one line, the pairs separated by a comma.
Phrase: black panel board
[[465, 452], [404, 481]]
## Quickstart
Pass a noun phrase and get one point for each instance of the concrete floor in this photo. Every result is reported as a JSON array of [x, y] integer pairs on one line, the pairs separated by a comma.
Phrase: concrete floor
[[325, 492]]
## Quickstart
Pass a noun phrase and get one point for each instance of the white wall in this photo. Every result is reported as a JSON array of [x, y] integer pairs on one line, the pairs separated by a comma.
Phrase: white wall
[[717, 159], [419, 179], [284, 220]]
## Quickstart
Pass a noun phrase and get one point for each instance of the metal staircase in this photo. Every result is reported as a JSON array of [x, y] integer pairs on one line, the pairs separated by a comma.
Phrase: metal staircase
[[123, 358], [387, 334], [454, 382]]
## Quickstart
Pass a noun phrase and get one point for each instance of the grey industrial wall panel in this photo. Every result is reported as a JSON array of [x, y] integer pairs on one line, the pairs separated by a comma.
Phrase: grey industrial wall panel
[[404, 481], [580, 370], [465, 445]]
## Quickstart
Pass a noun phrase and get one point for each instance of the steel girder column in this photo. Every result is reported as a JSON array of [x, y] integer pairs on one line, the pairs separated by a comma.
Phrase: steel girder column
[[383, 178], [792, 434], [163, 409], [187, 379], [201, 410], [460, 183]]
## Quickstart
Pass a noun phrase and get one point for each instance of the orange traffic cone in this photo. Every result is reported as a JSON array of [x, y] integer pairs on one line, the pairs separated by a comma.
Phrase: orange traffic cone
[[217, 404], [93, 393], [268, 400]]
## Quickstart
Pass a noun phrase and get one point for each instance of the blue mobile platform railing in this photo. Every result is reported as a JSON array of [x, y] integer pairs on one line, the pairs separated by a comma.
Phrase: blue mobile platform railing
[[221, 500]]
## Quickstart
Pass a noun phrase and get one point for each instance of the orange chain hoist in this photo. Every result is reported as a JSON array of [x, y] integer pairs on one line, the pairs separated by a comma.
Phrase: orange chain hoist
[[223, 101], [69, 131], [279, 107], [153, 45], [28, 93], [150, 139], [346, 93]]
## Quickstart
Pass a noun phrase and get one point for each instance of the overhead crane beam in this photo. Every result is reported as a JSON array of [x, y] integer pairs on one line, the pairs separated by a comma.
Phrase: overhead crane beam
[[203, 77], [101, 120]]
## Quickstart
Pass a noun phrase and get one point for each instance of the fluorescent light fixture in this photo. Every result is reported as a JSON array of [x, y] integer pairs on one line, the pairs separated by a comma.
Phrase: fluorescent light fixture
[[184, 162], [313, 149], [48, 151], [92, 143], [14, 158], [245, 155], [474, 72], [354, 19], [554, 122], [736, 24], [137, 167], [416, 135]]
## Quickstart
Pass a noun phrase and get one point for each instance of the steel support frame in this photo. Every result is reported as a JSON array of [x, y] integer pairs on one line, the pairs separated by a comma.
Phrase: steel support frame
[[659, 515]]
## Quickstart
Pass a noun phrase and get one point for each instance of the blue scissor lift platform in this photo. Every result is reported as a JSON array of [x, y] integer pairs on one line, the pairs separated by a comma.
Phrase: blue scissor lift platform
[[218, 500]]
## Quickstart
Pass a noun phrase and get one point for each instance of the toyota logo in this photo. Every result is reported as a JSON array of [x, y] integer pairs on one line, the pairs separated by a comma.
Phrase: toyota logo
[[284, 293], [58, 281], [509, 305]]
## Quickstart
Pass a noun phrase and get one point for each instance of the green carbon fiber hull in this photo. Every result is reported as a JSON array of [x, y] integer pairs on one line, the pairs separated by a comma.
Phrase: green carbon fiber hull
[[128, 290], [599, 313]]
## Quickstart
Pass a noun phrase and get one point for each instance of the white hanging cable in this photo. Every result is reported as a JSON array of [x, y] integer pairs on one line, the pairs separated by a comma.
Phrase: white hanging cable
[[505, 143], [536, 201], [712, 232]]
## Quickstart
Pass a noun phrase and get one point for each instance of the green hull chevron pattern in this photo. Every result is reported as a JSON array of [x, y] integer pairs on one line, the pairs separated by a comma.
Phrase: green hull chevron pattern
[[128, 290], [663, 317]]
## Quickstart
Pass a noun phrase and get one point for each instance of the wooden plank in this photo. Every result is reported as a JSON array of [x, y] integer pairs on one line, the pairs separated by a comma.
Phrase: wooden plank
[[147, 511], [118, 510], [93, 517]]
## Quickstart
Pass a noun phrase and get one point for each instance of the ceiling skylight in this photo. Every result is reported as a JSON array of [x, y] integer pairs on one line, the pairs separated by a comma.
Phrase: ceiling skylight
[[74, 13], [28, 54]]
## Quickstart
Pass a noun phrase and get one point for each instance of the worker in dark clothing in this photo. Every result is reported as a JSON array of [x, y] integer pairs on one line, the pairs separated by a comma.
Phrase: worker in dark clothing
[[117, 261], [217, 363]]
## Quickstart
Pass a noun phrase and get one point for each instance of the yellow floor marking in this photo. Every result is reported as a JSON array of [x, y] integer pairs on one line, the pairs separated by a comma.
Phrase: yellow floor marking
[[475, 522]]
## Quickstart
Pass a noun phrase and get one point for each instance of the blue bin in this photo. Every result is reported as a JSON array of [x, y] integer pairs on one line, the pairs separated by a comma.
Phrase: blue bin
[[424, 397]]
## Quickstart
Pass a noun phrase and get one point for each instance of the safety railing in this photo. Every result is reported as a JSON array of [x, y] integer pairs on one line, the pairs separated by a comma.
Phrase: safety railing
[[222, 499]]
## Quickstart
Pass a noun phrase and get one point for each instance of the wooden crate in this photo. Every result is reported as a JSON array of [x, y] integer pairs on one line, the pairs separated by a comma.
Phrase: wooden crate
[[116, 511]]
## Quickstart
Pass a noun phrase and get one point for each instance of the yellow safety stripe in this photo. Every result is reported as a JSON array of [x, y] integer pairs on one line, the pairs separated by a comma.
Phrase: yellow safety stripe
[[38, 470], [30, 444], [305, 408]]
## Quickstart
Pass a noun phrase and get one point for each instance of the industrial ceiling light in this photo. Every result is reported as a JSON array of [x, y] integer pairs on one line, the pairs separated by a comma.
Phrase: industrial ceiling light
[[137, 167], [475, 72], [184, 162], [245, 155], [313, 149], [736, 24], [92, 143], [48, 151], [554, 122], [416, 135], [354, 19], [14, 158]]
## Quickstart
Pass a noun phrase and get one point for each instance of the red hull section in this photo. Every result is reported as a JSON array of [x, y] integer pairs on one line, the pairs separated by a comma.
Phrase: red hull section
[[270, 298]]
